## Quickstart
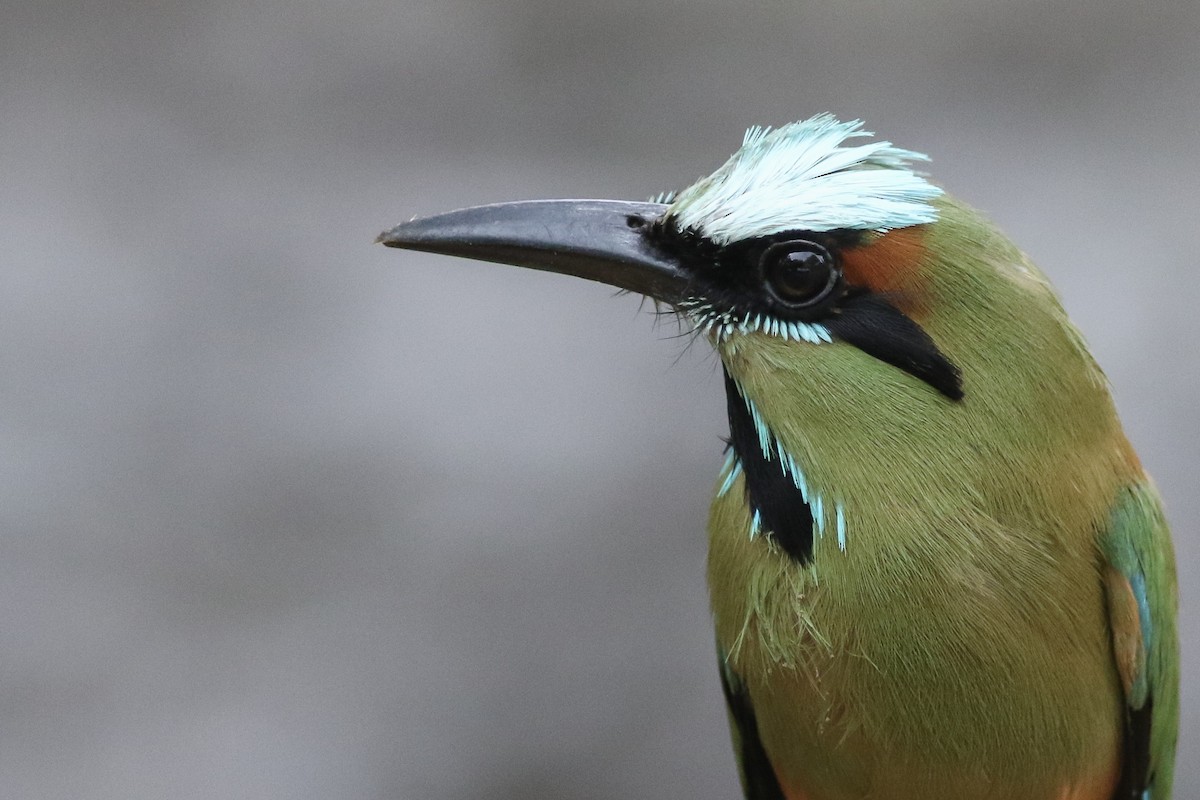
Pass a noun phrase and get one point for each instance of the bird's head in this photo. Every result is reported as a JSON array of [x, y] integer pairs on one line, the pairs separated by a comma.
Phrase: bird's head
[[876, 335]]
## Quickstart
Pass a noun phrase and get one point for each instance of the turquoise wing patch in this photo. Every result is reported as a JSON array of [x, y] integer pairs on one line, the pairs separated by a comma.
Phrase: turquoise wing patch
[[1141, 591]]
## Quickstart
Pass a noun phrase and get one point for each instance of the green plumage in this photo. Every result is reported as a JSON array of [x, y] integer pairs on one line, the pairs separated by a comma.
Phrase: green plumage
[[960, 646]]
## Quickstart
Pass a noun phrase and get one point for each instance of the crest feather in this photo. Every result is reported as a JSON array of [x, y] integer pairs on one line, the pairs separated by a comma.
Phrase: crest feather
[[802, 177]]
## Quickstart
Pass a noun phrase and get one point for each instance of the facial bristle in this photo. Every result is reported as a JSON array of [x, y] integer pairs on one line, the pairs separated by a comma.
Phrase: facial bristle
[[722, 324]]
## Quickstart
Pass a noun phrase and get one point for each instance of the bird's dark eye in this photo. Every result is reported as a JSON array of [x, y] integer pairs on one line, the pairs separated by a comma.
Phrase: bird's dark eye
[[799, 273]]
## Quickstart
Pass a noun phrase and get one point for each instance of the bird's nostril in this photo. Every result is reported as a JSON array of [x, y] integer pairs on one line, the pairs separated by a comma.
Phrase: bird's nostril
[[634, 221]]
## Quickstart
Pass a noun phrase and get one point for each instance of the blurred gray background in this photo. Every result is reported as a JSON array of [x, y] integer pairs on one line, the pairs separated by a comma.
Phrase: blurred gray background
[[288, 515]]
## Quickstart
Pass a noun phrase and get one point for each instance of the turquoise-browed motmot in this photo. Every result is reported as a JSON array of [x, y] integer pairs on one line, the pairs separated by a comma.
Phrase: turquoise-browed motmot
[[937, 568]]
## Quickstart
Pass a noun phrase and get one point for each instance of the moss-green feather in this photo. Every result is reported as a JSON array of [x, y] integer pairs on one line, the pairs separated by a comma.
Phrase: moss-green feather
[[959, 647]]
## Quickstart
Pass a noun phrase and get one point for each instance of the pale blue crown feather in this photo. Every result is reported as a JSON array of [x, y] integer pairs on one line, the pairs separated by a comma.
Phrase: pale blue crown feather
[[802, 177]]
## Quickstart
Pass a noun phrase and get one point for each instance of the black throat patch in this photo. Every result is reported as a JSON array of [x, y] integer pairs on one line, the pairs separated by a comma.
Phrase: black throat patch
[[769, 489]]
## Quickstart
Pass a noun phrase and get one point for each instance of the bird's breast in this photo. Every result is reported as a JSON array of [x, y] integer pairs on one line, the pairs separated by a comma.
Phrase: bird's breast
[[943, 669]]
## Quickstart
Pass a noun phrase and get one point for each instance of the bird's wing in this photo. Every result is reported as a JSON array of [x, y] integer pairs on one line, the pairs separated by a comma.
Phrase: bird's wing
[[758, 777], [1139, 574]]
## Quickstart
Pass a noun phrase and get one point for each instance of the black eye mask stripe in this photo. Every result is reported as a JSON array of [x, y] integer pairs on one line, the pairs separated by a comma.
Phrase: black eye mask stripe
[[879, 329]]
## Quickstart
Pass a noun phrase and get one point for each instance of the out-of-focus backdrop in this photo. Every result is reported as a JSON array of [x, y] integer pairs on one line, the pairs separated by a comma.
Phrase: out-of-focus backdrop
[[289, 515]]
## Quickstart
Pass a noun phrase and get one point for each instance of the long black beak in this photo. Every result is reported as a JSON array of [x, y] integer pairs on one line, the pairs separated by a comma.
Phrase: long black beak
[[601, 240]]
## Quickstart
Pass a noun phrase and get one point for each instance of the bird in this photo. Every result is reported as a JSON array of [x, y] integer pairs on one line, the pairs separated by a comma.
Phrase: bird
[[937, 567]]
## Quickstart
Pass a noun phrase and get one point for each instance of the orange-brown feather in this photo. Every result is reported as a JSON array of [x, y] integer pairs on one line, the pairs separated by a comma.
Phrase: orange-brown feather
[[1126, 628], [891, 264]]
